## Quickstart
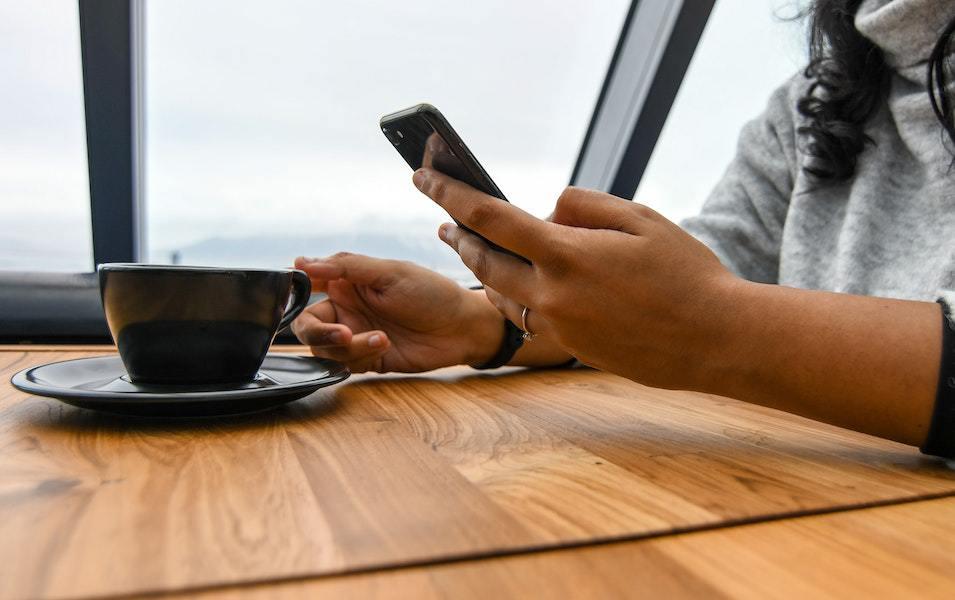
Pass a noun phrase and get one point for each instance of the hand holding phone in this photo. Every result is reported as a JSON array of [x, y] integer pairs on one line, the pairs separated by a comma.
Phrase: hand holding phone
[[424, 138]]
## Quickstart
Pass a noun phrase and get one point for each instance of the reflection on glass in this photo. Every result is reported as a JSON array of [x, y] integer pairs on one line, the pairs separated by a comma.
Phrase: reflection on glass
[[44, 189]]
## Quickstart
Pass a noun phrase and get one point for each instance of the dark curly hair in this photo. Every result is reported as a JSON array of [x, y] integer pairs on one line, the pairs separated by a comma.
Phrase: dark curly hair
[[849, 81]]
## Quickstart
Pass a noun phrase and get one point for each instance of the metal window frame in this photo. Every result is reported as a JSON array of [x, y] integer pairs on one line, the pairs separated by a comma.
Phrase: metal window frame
[[652, 55], [112, 50], [654, 48]]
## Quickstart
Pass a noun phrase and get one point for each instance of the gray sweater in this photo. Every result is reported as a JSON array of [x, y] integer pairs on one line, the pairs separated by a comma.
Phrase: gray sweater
[[889, 230]]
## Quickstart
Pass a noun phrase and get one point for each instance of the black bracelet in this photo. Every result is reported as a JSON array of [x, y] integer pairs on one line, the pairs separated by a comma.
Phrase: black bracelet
[[512, 342], [941, 433]]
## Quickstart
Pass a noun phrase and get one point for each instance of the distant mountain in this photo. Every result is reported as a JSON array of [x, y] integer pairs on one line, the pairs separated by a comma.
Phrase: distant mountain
[[281, 250]]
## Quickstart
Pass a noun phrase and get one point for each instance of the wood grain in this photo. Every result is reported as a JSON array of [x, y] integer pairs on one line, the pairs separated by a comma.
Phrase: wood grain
[[393, 471], [903, 551]]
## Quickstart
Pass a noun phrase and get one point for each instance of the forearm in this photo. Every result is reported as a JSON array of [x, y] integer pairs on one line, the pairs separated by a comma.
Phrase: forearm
[[488, 333], [868, 364]]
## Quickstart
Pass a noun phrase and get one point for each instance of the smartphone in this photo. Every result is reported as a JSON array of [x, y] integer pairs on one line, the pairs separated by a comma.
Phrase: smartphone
[[424, 138]]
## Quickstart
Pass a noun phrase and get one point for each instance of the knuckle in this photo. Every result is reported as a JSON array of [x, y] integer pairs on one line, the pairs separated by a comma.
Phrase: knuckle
[[547, 303], [481, 215], [308, 337], [341, 255], [642, 210], [301, 333], [438, 189], [561, 254], [567, 196], [566, 210], [308, 316], [477, 262]]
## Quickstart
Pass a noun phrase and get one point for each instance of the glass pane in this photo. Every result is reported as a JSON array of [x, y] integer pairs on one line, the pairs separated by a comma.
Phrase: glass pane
[[748, 49], [44, 186], [262, 118]]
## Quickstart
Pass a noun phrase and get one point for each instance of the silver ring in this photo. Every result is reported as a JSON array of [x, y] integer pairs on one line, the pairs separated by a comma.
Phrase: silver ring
[[528, 336]]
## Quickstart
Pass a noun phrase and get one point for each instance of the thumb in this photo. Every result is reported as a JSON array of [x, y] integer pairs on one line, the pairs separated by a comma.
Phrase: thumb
[[578, 207]]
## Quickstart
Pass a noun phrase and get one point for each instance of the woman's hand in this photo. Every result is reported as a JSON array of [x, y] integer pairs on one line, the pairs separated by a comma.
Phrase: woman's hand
[[612, 282], [625, 290], [388, 315]]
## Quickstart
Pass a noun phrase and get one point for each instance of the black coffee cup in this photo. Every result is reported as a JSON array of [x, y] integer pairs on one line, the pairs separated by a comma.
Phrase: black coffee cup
[[197, 325]]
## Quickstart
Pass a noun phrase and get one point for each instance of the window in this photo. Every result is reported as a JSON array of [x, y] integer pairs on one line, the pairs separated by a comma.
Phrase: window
[[44, 190], [747, 50], [262, 140], [241, 133]]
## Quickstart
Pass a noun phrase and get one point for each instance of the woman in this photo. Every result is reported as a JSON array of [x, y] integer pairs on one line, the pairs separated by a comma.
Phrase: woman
[[813, 281]]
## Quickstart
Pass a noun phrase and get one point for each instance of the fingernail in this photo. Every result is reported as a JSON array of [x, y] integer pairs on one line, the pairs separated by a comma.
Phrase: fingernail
[[443, 232], [310, 259], [375, 341], [419, 177], [336, 337]]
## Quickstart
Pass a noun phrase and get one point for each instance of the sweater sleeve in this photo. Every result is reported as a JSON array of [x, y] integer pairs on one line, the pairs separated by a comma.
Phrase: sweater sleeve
[[742, 219], [940, 440]]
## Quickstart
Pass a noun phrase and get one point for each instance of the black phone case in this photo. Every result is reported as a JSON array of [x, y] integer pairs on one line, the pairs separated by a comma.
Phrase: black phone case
[[440, 124]]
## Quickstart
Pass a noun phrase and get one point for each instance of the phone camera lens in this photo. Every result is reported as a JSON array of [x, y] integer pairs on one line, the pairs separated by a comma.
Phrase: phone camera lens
[[394, 139]]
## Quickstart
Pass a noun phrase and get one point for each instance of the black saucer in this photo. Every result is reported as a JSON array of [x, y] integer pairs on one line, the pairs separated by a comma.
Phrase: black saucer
[[101, 383]]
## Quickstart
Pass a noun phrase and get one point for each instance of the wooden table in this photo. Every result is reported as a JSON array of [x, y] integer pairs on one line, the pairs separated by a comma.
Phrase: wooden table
[[464, 484]]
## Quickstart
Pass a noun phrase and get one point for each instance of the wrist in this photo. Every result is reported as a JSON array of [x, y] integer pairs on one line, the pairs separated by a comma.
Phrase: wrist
[[725, 356], [483, 328]]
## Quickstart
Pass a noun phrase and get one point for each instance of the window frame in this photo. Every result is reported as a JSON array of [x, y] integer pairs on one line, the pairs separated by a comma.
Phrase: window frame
[[654, 48], [651, 59], [112, 49]]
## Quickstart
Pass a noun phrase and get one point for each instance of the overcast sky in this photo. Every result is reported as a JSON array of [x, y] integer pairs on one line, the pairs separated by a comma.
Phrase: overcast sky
[[262, 117]]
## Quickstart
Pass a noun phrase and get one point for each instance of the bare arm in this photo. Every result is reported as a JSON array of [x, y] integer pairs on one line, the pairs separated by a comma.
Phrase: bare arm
[[868, 364]]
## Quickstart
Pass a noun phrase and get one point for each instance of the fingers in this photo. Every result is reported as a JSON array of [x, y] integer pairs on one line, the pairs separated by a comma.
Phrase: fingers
[[513, 312], [304, 263], [355, 268], [364, 352], [316, 327], [497, 220], [359, 352], [578, 207], [512, 276]]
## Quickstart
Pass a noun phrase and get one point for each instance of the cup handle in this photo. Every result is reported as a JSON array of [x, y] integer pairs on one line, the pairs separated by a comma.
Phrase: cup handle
[[301, 292]]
